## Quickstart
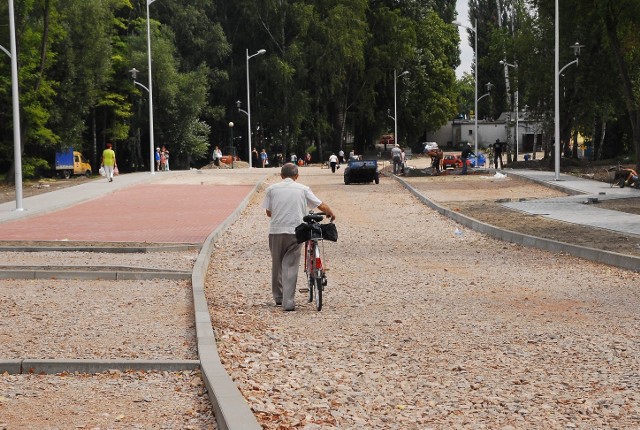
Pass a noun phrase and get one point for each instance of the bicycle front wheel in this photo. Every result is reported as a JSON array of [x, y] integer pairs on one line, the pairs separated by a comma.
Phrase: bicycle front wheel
[[317, 292]]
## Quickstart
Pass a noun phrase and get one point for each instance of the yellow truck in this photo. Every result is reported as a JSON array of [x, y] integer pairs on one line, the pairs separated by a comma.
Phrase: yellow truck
[[70, 162]]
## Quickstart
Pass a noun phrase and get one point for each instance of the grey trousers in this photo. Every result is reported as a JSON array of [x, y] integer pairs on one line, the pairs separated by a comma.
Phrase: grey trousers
[[285, 260]]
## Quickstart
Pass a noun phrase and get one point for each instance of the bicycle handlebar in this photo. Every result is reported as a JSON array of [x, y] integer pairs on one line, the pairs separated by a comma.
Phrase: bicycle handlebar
[[314, 217]]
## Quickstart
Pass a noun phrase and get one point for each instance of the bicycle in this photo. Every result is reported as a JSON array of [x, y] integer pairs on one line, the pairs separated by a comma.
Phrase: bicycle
[[313, 264]]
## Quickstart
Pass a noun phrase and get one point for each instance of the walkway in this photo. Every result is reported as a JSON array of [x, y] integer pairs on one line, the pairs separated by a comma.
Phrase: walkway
[[578, 208]]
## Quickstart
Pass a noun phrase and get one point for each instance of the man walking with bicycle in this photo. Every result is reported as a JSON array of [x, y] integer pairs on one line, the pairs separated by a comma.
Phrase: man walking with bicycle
[[286, 203]]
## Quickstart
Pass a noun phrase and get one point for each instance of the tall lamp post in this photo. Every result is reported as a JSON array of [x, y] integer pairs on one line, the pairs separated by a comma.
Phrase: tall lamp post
[[248, 111], [150, 89], [515, 67], [474, 30], [395, 103], [231, 142], [556, 135], [17, 152], [134, 75]]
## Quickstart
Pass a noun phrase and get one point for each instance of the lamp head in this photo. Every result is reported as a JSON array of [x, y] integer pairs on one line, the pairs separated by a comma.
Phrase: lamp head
[[238, 103], [576, 49], [405, 73], [134, 73], [260, 52], [230, 124]]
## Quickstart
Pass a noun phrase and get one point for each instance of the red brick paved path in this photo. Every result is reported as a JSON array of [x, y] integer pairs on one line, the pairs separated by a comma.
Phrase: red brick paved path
[[144, 213]]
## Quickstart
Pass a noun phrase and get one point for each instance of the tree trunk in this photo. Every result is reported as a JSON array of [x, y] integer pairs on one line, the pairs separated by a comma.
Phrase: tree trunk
[[627, 85]]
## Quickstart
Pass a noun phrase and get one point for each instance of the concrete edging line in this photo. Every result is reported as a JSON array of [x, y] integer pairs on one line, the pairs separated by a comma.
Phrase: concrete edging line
[[93, 275], [599, 256], [53, 366], [12, 367], [230, 407], [105, 249]]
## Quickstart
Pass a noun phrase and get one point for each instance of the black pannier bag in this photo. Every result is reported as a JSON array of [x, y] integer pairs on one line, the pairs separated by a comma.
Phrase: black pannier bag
[[329, 232], [306, 231]]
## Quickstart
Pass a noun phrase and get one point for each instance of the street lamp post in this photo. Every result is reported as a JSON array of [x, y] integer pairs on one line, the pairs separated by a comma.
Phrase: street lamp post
[[17, 151], [474, 29], [515, 67], [556, 135], [231, 142], [150, 89], [134, 75], [248, 112], [489, 86], [395, 103]]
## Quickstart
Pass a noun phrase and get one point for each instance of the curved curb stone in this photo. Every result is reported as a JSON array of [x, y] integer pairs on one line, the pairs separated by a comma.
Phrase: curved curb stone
[[611, 258], [231, 409]]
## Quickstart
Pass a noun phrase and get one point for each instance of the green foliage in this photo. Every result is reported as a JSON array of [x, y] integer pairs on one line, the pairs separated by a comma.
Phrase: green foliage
[[34, 167]]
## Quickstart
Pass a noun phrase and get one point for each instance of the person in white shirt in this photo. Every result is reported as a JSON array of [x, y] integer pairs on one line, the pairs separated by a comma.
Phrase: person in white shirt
[[286, 203], [333, 161], [396, 157]]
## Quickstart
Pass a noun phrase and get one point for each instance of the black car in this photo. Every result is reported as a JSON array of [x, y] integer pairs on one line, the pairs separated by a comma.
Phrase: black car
[[361, 171]]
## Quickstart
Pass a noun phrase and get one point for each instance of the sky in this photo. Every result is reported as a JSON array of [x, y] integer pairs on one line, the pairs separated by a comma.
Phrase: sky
[[466, 51]]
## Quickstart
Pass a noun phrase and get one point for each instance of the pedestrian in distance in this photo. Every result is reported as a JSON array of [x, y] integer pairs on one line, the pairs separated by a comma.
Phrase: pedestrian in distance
[[333, 161], [307, 159], [341, 156], [286, 203], [497, 154], [396, 158], [157, 157], [108, 162], [166, 158], [255, 157], [216, 156], [264, 158], [466, 154]]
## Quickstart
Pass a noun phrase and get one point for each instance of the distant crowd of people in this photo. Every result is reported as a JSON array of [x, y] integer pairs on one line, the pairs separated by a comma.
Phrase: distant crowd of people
[[162, 159]]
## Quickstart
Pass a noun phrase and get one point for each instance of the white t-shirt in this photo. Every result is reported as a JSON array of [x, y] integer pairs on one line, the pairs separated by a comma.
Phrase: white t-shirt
[[288, 202], [333, 158]]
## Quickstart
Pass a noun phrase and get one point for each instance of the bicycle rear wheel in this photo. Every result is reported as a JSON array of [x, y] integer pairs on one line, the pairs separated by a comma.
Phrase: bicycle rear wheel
[[310, 269], [317, 292]]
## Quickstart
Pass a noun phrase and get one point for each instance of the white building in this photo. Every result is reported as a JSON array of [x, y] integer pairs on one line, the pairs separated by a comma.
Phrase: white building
[[460, 131]]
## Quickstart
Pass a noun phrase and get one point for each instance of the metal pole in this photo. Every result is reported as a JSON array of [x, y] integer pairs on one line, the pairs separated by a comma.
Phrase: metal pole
[[151, 140], [248, 116], [395, 107], [517, 124], [17, 146], [556, 65], [475, 111]]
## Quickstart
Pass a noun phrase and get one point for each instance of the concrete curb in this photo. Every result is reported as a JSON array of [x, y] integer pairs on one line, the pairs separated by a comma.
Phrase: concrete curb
[[230, 407], [92, 275], [53, 366], [611, 258], [106, 249]]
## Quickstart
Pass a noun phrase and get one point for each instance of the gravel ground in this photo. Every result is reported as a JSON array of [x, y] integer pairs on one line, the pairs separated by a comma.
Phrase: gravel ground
[[110, 400], [424, 328], [47, 319]]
